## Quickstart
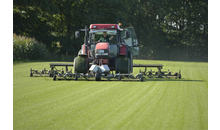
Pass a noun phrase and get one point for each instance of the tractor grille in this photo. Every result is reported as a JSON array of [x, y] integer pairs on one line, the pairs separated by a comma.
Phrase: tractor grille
[[102, 53]]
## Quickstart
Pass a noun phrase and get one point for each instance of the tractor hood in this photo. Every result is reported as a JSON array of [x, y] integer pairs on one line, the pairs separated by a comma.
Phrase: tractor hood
[[102, 50], [102, 45]]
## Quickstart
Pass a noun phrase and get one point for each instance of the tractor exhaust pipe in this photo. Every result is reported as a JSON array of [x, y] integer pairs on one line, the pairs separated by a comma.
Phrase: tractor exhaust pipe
[[86, 39]]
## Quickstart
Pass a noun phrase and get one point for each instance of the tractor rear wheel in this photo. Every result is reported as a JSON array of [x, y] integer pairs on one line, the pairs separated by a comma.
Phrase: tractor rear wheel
[[80, 64], [122, 65]]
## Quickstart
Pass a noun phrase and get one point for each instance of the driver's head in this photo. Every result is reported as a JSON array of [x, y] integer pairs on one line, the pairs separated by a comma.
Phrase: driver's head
[[104, 34]]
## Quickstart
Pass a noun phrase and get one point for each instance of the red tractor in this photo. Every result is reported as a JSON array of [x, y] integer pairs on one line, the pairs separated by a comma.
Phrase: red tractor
[[107, 49]]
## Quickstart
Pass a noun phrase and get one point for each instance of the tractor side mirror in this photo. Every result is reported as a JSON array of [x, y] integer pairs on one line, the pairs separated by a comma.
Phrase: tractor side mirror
[[127, 34], [77, 34]]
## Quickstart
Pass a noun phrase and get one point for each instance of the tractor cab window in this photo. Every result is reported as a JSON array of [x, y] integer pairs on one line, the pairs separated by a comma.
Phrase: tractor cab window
[[132, 41], [103, 35], [92, 38]]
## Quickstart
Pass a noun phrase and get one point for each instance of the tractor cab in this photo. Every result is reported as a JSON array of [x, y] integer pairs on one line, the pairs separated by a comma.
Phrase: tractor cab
[[125, 38], [95, 38]]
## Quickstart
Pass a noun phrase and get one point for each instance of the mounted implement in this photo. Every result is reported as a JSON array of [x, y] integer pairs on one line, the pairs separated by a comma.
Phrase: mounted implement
[[107, 52]]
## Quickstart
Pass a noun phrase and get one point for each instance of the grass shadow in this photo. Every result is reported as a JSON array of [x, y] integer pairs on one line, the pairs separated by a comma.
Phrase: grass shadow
[[123, 80], [102, 80], [171, 79]]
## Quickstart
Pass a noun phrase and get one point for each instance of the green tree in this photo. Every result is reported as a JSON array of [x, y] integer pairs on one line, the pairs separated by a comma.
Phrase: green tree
[[165, 29]]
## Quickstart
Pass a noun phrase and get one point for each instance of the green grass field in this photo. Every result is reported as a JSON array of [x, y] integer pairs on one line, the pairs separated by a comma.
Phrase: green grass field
[[155, 104]]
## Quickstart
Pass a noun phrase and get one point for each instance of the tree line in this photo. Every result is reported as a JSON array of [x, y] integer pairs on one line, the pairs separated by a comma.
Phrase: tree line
[[166, 29]]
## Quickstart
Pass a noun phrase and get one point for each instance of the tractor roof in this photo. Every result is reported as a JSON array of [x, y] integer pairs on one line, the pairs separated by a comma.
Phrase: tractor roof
[[104, 26], [100, 32]]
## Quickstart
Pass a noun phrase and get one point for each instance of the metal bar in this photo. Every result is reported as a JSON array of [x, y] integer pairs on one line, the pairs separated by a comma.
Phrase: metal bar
[[147, 65], [60, 64]]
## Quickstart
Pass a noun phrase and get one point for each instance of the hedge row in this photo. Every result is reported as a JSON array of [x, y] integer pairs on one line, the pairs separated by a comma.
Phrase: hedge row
[[29, 49]]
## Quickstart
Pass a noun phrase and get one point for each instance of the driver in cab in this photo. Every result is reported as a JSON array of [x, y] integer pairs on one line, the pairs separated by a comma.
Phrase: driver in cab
[[105, 38]]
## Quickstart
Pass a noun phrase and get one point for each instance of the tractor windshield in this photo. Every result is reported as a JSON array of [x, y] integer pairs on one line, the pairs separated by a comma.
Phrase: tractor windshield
[[97, 36]]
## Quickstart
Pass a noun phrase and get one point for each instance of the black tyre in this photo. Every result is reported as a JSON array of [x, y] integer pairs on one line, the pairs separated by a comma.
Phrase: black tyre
[[97, 77], [76, 78], [54, 77], [119, 78], [122, 65], [80, 64], [180, 74], [142, 78], [50, 75], [31, 74], [159, 76]]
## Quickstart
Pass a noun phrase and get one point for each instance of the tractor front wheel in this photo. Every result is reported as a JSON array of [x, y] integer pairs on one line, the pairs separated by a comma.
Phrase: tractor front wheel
[[81, 64]]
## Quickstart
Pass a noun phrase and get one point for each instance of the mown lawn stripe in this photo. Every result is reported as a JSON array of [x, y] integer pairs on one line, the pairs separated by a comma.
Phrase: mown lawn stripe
[[41, 103]]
